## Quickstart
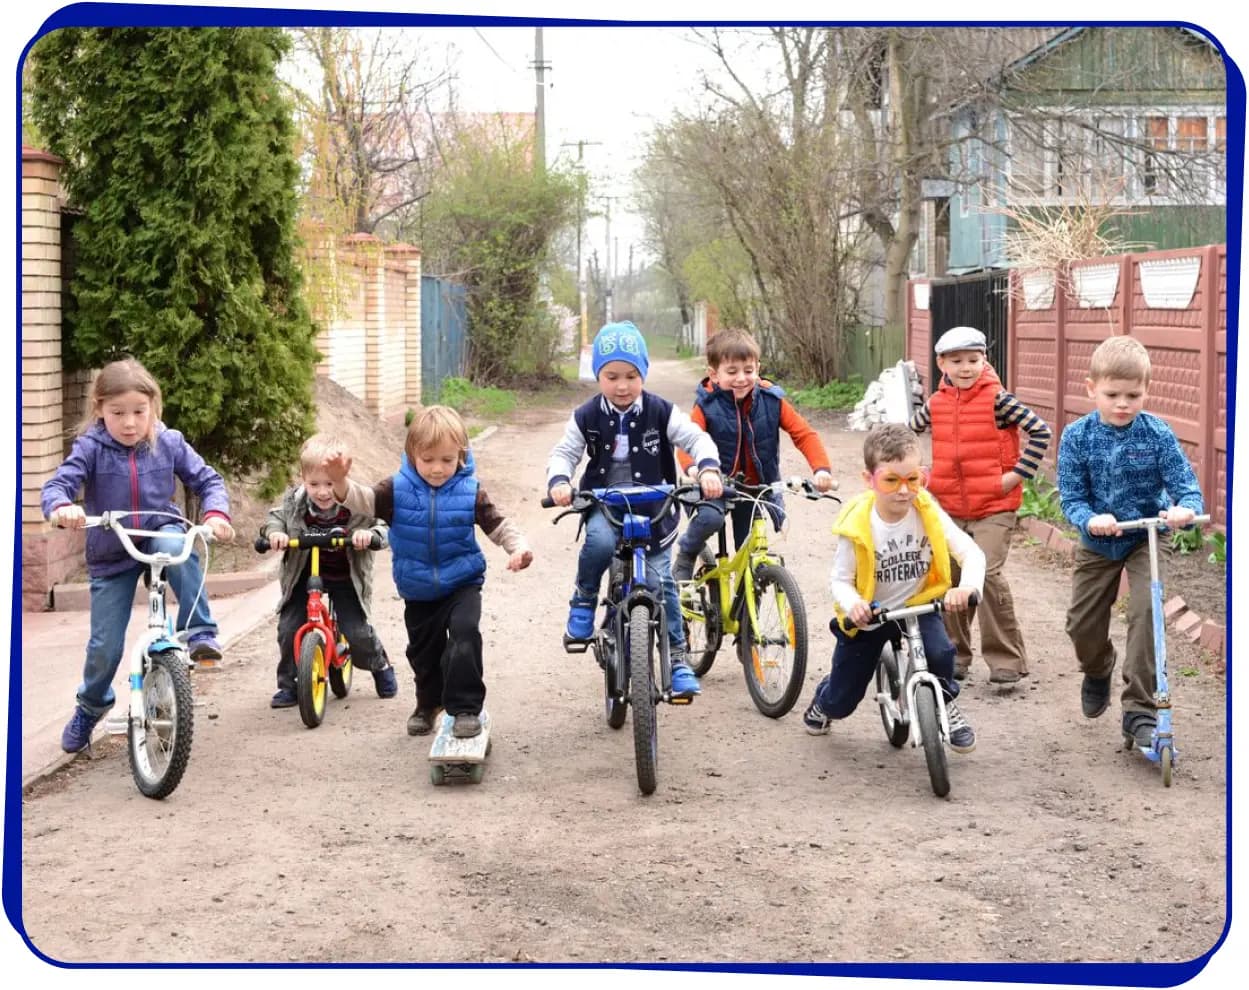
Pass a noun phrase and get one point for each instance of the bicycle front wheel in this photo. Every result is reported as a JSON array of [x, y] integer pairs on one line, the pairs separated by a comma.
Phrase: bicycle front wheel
[[889, 686], [774, 648], [161, 747], [934, 745], [311, 677], [642, 697], [700, 614]]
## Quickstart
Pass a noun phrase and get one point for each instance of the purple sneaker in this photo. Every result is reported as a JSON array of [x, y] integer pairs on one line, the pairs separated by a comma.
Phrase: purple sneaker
[[77, 733], [205, 651]]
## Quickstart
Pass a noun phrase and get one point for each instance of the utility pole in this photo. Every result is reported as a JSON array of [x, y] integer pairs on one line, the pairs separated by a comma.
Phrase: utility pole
[[540, 66], [611, 275], [581, 279]]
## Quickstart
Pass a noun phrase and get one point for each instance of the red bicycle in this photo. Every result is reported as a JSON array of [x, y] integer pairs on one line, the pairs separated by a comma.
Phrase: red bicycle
[[322, 652]]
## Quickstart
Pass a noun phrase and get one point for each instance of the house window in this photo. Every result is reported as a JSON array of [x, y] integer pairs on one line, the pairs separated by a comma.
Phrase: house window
[[1156, 143]]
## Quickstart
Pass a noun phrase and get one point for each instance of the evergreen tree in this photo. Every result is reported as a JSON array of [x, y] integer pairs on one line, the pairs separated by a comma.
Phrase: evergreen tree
[[178, 150]]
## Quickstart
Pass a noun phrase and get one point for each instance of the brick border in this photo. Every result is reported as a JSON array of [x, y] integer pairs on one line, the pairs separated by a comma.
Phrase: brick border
[[1207, 634]]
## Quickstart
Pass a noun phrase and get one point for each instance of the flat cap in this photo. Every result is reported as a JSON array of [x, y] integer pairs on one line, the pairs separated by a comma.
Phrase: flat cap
[[961, 339]]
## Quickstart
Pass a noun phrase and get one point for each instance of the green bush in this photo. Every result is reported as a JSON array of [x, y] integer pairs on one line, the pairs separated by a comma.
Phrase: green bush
[[1040, 499], [834, 395], [1218, 555], [1186, 541]]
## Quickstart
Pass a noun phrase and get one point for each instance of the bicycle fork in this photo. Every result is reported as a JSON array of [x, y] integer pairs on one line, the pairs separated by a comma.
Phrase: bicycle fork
[[917, 673]]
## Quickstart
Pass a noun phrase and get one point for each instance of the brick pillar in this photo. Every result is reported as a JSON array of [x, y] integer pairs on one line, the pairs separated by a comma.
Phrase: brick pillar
[[320, 279], [47, 555], [410, 256], [373, 267]]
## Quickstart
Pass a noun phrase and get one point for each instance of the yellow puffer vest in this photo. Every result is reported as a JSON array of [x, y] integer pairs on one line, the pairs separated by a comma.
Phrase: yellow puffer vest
[[855, 523]]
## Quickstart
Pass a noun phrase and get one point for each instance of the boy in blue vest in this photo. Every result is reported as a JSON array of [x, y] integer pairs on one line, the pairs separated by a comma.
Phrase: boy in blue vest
[[745, 415], [628, 435], [895, 546], [1117, 464], [436, 490]]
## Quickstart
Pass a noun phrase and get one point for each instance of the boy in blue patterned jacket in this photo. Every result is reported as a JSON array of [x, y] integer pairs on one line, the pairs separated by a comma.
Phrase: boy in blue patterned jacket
[[1117, 464], [629, 436]]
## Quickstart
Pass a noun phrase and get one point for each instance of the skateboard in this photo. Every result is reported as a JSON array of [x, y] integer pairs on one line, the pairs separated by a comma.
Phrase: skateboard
[[450, 757]]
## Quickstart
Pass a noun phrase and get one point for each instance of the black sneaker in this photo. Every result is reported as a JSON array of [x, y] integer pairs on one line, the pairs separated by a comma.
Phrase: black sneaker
[[962, 735], [1094, 695], [814, 720], [466, 726], [284, 698], [1139, 727], [421, 723]]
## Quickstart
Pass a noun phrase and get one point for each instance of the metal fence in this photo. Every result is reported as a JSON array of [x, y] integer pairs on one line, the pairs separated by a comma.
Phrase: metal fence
[[444, 334]]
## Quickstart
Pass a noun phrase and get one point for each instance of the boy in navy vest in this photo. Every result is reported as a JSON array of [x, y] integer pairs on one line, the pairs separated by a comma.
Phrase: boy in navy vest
[[432, 504], [628, 435], [744, 415]]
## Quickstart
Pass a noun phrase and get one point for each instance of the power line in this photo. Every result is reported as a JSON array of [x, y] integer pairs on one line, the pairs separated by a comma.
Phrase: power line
[[504, 61]]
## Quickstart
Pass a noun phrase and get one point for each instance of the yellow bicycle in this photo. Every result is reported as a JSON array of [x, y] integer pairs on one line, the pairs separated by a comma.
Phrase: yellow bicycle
[[752, 596]]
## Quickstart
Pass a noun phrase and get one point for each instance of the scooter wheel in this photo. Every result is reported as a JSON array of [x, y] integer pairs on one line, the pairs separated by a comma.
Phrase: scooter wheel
[[1165, 761]]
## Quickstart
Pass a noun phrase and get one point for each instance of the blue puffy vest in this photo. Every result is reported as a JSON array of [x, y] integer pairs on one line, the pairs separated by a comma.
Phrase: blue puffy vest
[[433, 539], [762, 427], [651, 459]]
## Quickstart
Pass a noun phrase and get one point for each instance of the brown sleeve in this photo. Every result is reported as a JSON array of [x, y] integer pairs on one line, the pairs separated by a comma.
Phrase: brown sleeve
[[501, 531], [384, 500]]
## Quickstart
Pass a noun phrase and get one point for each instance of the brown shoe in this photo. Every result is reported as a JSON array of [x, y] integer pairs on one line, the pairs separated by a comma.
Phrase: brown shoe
[[421, 723], [466, 726], [1003, 675]]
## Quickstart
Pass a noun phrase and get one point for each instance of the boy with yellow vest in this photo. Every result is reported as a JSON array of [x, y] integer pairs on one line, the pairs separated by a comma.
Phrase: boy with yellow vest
[[977, 474], [894, 548]]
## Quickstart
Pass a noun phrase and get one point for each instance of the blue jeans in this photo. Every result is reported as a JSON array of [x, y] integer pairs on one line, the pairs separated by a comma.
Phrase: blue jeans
[[595, 558], [112, 598], [854, 664], [707, 520]]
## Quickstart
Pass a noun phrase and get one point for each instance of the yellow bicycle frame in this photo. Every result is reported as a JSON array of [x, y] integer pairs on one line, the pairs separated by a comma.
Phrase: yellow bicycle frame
[[738, 572]]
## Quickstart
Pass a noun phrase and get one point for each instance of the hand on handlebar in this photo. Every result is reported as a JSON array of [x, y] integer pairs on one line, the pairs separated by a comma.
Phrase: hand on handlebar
[[278, 541], [959, 599], [561, 494], [824, 482], [711, 483], [861, 614], [1177, 517], [362, 539], [68, 517], [1104, 525]]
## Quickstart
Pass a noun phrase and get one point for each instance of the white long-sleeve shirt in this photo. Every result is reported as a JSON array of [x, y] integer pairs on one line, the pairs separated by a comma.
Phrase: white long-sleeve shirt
[[903, 558]]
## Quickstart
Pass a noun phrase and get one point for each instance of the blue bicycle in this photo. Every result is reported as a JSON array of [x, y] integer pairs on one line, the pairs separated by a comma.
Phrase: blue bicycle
[[635, 621]]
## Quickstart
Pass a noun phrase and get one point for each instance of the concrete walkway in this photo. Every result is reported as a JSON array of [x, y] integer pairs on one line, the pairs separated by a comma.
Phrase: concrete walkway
[[54, 645]]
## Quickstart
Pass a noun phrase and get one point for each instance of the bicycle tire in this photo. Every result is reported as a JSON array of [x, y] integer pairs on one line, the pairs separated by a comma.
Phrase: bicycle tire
[[642, 697], [705, 633], [934, 745], [889, 681], [159, 760], [340, 676], [310, 679], [774, 657]]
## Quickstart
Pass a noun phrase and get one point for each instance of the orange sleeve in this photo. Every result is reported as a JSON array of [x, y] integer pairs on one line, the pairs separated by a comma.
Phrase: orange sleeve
[[698, 419], [805, 438]]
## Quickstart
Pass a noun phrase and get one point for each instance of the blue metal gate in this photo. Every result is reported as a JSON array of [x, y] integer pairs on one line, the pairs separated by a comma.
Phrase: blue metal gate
[[444, 334]]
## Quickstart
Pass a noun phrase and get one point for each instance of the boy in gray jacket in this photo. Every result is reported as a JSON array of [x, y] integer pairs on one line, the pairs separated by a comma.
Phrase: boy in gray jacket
[[310, 508]]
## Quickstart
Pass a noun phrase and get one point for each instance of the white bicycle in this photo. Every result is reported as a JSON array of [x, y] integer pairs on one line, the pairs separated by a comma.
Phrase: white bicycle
[[159, 722]]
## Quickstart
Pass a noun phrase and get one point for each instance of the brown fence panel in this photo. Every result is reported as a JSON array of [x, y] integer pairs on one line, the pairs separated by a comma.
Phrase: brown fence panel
[[919, 328]]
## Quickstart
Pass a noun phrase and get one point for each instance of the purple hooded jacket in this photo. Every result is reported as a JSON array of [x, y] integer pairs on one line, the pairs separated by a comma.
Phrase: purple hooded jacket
[[115, 476]]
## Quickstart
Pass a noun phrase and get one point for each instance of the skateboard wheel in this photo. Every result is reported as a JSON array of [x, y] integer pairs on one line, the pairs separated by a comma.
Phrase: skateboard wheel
[[437, 774], [477, 772]]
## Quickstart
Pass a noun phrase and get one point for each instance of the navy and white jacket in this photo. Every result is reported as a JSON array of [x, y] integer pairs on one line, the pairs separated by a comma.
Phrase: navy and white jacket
[[653, 427]]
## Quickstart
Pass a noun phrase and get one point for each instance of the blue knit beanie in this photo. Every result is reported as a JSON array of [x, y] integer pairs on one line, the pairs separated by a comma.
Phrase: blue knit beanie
[[620, 342]]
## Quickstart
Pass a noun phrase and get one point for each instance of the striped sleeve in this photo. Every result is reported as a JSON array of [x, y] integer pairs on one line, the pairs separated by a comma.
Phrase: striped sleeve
[[921, 419], [1010, 412]]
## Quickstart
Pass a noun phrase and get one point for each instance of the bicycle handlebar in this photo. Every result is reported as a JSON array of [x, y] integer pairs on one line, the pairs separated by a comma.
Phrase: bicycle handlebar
[[1156, 522], [897, 614], [587, 499], [323, 540], [113, 520]]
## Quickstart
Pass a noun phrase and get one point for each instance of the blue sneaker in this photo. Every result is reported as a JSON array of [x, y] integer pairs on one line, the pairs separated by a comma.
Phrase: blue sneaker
[[580, 618], [814, 719], [285, 698], [205, 651], [385, 682], [76, 735], [684, 681]]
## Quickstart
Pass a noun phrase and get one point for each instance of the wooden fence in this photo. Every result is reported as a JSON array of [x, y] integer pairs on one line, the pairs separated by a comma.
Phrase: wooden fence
[[1174, 302]]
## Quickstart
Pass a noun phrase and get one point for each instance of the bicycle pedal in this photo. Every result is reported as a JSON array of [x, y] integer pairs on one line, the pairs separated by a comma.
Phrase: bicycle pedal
[[576, 645], [680, 701]]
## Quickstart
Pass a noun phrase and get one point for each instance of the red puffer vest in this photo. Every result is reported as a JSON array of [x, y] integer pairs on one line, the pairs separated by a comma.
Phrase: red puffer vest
[[969, 453]]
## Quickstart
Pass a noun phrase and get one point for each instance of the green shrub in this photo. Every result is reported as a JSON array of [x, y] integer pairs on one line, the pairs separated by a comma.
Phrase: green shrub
[[1218, 555], [834, 395], [1187, 541], [465, 397], [1040, 499]]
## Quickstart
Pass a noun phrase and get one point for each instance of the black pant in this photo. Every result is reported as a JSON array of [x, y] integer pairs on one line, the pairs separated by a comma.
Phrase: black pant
[[366, 648], [444, 650]]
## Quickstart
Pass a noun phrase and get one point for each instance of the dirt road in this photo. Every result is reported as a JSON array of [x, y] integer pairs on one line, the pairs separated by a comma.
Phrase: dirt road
[[762, 843]]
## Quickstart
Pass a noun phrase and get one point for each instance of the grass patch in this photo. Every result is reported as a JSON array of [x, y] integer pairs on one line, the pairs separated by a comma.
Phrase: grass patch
[[1040, 499], [834, 395], [466, 398]]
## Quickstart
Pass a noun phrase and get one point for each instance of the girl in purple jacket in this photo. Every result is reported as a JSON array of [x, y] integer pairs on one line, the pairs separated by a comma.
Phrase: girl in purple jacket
[[126, 458]]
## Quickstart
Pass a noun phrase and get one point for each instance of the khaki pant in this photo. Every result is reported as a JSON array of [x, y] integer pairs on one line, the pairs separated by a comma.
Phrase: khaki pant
[[1001, 641], [1094, 589]]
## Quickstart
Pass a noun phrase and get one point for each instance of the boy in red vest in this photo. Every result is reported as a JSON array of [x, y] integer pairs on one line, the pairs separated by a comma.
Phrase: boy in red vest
[[977, 471]]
